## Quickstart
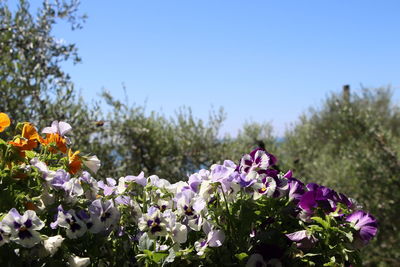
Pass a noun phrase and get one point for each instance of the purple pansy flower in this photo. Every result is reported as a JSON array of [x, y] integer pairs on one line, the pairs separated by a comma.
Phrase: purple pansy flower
[[366, 224], [108, 187], [244, 180], [282, 186], [296, 189], [24, 228], [258, 160], [223, 175], [268, 186], [317, 196], [59, 179], [153, 223], [194, 182], [70, 220], [140, 179], [215, 238], [104, 215], [303, 239]]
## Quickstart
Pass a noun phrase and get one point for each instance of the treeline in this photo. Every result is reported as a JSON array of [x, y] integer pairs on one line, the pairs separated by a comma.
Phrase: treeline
[[350, 143]]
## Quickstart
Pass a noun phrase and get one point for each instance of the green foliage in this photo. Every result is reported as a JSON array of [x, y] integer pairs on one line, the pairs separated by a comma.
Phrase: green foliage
[[352, 144], [30, 56]]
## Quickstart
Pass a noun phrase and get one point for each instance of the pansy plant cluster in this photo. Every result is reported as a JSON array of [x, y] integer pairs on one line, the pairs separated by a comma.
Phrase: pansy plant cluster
[[53, 211]]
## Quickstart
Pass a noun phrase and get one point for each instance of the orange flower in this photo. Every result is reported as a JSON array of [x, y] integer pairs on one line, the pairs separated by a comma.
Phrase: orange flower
[[20, 175], [4, 121], [30, 206], [74, 162], [57, 140], [28, 139]]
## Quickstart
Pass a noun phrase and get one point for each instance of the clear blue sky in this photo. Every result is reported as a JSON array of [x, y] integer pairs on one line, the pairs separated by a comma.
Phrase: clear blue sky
[[260, 60]]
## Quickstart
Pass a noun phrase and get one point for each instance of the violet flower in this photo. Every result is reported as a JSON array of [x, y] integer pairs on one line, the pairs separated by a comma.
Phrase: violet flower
[[317, 196], [258, 160], [282, 186], [296, 190], [302, 239], [223, 175], [140, 179], [59, 179], [194, 182], [103, 214], [153, 223], [75, 226], [24, 228], [365, 223], [108, 187], [215, 238], [245, 180]]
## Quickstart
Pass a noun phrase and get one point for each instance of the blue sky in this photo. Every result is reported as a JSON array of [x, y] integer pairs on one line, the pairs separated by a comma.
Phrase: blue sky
[[259, 60]]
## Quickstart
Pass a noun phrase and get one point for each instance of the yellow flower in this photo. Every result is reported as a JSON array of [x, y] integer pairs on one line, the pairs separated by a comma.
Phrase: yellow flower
[[74, 162], [4, 121]]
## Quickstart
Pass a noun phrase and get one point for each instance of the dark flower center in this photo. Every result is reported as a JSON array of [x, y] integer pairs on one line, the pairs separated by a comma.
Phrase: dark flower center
[[105, 216], [28, 223], [75, 227], [24, 233], [17, 225], [188, 210]]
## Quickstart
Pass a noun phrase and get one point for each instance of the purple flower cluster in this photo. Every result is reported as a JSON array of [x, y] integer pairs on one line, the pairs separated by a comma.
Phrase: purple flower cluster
[[255, 171]]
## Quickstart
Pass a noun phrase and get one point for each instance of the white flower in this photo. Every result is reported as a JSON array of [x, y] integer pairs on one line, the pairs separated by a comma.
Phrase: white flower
[[153, 223], [206, 189], [48, 175], [103, 214], [61, 128], [46, 198], [52, 244], [4, 233], [73, 188], [177, 231], [92, 162], [75, 261], [69, 220], [24, 227], [157, 182]]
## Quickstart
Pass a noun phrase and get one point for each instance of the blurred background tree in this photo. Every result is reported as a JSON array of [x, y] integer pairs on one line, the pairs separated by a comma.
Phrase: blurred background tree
[[33, 86], [351, 143], [131, 141]]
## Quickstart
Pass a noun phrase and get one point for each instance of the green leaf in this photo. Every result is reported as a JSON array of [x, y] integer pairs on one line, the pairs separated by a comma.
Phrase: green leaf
[[157, 257], [321, 221], [30, 154], [241, 256]]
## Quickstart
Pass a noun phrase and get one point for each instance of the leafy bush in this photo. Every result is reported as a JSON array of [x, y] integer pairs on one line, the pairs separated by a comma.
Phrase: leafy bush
[[352, 144]]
